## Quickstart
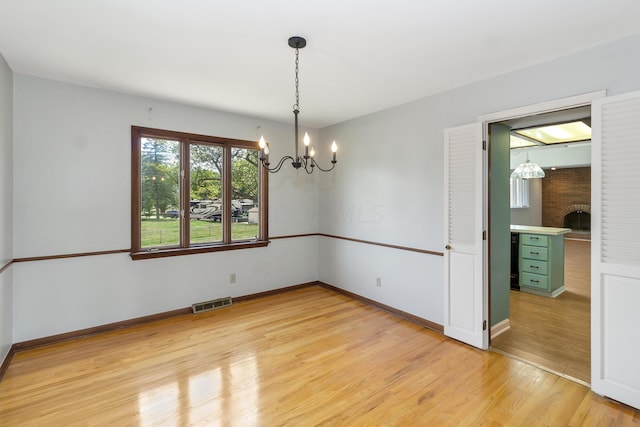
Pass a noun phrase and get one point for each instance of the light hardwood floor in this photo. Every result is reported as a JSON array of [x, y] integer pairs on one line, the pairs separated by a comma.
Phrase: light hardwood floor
[[555, 332], [303, 358]]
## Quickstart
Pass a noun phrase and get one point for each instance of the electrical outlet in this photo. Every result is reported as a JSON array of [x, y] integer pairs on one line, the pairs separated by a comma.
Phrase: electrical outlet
[[232, 278], [379, 282]]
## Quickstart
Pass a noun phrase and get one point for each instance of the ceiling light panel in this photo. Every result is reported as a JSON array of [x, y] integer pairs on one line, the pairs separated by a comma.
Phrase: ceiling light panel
[[558, 134], [517, 142]]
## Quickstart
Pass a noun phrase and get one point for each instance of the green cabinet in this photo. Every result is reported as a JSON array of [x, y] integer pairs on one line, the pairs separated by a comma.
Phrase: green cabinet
[[541, 264]]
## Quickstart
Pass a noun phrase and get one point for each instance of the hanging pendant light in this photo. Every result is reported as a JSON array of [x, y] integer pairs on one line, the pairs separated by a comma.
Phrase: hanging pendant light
[[528, 170], [307, 160]]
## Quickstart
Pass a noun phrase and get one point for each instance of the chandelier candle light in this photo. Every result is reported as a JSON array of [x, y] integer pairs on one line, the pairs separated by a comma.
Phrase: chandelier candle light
[[307, 160]]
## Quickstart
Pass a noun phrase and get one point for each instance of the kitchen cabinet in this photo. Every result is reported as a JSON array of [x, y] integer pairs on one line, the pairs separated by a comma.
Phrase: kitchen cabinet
[[541, 259]]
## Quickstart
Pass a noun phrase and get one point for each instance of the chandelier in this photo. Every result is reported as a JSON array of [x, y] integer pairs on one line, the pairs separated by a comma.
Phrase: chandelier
[[528, 170], [307, 160]]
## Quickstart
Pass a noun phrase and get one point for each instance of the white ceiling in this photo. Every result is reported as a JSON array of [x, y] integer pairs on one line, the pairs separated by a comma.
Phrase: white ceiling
[[362, 55]]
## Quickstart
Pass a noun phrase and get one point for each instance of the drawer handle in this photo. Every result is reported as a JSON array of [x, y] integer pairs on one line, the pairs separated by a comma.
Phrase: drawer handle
[[534, 253], [533, 266], [534, 238], [535, 281]]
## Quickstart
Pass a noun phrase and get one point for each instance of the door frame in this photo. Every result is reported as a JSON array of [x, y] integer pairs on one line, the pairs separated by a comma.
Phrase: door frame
[[528, 110]]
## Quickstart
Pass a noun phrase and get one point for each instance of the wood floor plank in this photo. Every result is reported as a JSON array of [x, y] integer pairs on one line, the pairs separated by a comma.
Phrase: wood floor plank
[[307, 357]]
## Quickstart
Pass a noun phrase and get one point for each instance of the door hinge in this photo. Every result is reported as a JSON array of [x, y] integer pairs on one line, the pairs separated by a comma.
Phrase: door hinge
[[484, 235], [484, 325], [484, 145]]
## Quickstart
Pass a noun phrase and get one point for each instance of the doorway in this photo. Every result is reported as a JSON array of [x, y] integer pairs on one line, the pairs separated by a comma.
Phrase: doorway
[[549, 331]]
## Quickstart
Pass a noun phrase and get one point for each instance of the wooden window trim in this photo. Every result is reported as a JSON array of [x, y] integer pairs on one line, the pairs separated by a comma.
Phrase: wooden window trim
[[137, 252]]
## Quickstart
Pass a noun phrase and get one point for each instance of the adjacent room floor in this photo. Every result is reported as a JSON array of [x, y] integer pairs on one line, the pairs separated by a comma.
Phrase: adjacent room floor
[[554, 333]]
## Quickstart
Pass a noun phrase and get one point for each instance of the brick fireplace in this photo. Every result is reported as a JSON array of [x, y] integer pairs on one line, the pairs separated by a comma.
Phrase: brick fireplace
[[566, 196], [578, 217]]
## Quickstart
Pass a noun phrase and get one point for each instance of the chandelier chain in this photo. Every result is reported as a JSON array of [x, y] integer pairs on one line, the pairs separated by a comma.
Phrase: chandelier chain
[[296, 106]]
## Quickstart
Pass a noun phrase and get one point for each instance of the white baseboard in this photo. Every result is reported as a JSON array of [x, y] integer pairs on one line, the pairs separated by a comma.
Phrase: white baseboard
[[500, 327]]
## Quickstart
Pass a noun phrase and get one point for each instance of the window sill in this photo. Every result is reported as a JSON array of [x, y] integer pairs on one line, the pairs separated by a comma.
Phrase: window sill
[[162, 253]]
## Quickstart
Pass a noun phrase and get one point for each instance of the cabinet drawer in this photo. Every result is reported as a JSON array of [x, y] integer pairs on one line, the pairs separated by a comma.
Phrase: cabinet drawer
[[533, 266], [534, 281], [533, 252], [534, 240]]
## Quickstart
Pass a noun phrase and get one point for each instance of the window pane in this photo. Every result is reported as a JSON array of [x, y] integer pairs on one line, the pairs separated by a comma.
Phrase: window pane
[[206, 193], [160, 183], [519, 188], [244, 190]]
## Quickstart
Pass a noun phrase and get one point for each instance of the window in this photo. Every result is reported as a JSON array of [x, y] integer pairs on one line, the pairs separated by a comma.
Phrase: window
[[194, 193], [519, 188]]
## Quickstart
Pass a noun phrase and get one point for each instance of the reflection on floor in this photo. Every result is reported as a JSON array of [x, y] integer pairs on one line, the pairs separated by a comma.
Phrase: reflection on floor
[[555, 332]]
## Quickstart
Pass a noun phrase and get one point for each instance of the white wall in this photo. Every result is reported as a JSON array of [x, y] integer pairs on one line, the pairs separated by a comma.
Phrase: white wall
[[391, 170], [77, 293], [72, 194], [6, 199]]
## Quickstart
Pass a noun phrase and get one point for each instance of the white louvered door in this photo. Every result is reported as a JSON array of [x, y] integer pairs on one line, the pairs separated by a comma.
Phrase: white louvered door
[[464, 307], [615, 265]]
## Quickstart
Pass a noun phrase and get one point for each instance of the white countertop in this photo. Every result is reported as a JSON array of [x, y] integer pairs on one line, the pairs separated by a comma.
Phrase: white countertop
[[550, 231]]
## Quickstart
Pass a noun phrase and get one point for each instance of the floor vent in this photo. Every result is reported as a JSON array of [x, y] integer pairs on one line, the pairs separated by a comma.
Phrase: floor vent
[[211, 305]]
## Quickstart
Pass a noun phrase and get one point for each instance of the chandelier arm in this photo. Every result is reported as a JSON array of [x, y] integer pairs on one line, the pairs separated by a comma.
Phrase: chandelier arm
[[278, 166], [308, 162], [333, 165]]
